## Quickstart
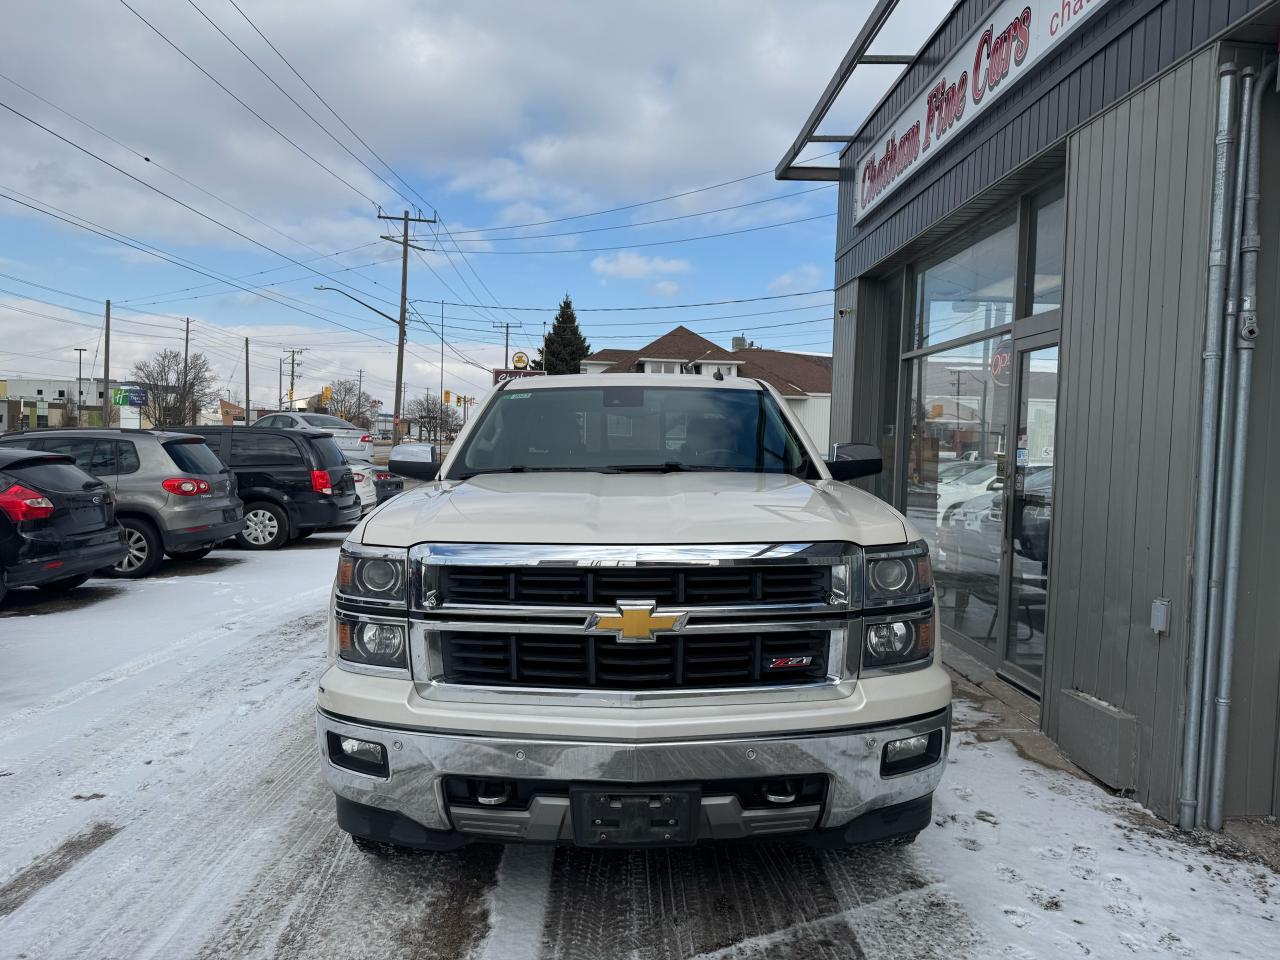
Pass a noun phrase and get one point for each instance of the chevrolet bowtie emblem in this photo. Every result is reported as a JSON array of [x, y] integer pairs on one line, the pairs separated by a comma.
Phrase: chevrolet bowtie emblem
[[636, 622]]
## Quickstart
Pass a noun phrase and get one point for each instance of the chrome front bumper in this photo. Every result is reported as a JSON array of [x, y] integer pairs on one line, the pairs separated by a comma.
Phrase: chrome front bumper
[[850, 759]]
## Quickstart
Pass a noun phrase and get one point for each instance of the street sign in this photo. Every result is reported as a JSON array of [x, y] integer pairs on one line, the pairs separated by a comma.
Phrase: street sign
[[129, 396], [520, 360], [501, 376]]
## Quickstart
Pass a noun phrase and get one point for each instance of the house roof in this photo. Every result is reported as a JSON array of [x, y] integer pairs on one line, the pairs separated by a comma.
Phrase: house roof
[[791, 374]]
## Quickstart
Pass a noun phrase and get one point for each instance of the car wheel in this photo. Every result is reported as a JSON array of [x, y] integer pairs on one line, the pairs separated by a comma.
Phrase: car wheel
[[65, 584], [144, 550], [266, 527], [189, 554]]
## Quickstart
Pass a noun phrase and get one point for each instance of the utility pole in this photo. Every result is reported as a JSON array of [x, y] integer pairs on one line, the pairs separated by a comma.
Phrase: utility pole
[[79, 389], [403, 240], [280, 385], [186, 403], [506, 326], [360, 393], [441, 367], [293, 363], [106, 368], [246, 381]]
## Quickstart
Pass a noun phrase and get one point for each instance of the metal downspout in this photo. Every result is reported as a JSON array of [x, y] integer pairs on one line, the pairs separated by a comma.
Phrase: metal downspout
[[1222, 460], [1212, 381], [1250, 246]]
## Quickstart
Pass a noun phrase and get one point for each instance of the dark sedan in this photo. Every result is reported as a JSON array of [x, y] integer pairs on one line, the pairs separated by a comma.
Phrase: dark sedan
[[57, 523]]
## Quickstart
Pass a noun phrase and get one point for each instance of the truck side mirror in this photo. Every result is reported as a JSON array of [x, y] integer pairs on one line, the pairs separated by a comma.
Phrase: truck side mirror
[[852, 460], [417, 461]]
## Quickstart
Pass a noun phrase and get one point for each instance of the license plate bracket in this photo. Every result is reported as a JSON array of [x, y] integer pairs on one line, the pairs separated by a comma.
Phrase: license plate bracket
[[630, 817]]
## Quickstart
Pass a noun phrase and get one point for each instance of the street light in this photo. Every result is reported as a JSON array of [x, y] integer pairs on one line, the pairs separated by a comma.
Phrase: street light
[[399, 347]]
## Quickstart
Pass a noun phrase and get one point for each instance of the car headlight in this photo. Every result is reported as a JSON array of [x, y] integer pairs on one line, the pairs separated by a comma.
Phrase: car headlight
[[898, 576], [898, 641], [374, 643], [373, 574]]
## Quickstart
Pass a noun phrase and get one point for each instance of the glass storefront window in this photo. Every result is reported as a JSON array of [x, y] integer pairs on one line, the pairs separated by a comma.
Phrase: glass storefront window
[[1048, 238], [956, 469], [968, 292]]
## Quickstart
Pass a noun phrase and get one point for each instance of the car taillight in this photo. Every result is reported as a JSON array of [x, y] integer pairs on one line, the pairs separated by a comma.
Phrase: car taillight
[[320, 481], [359, 477], [382, 476], [366, 439], [22, 503], [186, 486]]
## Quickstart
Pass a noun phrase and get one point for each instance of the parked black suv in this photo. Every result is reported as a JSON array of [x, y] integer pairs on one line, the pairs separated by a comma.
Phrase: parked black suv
[[292, 482], [57, 523]]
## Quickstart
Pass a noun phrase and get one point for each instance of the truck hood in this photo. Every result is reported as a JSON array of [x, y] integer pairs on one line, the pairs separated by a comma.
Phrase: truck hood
[[668, 508]]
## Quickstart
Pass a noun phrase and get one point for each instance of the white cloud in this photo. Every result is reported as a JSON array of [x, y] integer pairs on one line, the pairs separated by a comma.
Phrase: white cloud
[[665, 288], [806, 277], [629, 265]]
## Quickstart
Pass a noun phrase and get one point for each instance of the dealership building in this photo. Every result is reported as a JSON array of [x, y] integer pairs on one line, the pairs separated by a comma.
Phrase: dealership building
[[1057, 268]]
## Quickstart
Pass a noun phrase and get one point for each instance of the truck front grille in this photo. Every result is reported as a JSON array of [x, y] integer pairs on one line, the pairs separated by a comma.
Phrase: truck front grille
[[673, 660], [603, 586]]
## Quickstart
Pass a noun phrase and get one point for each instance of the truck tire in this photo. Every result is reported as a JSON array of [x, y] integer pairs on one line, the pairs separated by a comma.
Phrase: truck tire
[[145, 550], [266, 527]]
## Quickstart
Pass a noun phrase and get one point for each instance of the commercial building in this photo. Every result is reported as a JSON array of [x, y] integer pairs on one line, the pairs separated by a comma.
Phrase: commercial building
[[1037, 226], [803, 379]]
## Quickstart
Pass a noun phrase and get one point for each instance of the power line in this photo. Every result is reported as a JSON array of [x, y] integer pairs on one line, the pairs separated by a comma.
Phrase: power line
[[173, 173], [657, 243], [237, 99], [649, 223], [642, 203], [658, 306]]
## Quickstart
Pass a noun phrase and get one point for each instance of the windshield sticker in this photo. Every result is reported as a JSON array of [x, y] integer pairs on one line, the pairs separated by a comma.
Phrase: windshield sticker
[[516, 396]]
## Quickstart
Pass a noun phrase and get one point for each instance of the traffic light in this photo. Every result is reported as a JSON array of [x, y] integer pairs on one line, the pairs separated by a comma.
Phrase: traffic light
[[457, 401], [326, 394], [448, 394]]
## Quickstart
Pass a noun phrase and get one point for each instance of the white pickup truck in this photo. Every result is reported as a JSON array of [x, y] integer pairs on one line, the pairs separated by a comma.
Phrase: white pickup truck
[[633, 610]]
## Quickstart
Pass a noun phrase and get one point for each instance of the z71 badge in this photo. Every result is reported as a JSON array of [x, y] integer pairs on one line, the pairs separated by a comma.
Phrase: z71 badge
[[781, 663]]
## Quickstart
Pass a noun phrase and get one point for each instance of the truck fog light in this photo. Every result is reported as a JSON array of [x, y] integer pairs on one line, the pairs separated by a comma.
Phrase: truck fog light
[[897, 750], [911, 753], [362, 756], [889, 639]]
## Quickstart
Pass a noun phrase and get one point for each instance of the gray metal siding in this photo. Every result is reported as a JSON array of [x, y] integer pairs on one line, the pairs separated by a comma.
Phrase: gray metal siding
[[1123, 47], [842, 358], [1138, 184], [1253, 761]]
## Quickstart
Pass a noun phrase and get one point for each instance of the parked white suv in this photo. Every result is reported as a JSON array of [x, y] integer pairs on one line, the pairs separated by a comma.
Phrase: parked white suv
[[355, 442], [633, 610]]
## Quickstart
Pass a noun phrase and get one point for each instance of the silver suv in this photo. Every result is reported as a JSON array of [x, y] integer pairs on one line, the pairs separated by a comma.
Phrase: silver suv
[[173, 495]]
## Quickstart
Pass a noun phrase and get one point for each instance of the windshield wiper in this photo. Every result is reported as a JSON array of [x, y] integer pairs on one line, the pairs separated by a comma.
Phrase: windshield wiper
[[521, 468], [674, 466]]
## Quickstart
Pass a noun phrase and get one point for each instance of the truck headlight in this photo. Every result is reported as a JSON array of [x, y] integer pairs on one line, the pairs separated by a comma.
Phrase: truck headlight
[[898, 576], [376, 643], [373, 574], [897, 641]]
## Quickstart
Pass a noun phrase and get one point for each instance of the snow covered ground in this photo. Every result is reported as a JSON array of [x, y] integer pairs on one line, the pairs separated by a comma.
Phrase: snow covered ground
[[160, 797]]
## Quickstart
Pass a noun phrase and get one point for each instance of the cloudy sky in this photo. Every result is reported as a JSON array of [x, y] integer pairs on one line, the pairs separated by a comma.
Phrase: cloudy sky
[[547, 137]]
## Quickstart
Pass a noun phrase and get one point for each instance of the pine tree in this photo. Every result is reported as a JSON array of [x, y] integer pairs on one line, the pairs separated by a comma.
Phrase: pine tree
[[565, 345]]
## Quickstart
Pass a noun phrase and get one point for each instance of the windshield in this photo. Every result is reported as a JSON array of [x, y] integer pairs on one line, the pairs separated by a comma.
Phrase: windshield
[[193, 456], [632, 428], [328, 423], [327, 452]]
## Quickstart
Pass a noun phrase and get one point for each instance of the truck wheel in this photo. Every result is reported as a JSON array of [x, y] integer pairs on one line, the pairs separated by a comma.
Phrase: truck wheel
[[63, 585], [266, 527], [144, 550]]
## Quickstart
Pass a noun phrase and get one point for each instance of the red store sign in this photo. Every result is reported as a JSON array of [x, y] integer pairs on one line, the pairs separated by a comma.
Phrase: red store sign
[[1001, 50]]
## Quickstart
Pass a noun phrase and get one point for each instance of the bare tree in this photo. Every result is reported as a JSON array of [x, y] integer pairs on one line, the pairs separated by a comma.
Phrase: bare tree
[[425, 410], [349, 403], [176, 391]]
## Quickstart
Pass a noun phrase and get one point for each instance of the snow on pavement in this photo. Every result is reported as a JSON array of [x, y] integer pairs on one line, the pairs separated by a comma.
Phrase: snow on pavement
[[160, 797]]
